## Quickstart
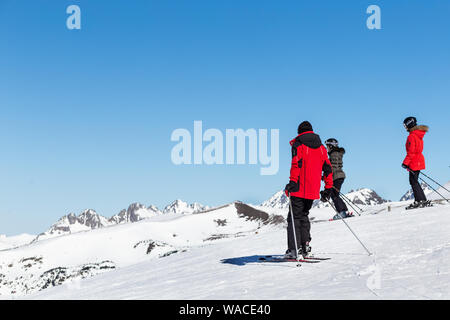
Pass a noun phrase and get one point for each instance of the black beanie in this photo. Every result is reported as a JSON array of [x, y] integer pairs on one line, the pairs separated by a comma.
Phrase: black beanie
[[304, 126]]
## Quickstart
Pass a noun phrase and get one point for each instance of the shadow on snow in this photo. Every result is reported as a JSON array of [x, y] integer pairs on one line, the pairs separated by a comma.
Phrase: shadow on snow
[[242, 261]]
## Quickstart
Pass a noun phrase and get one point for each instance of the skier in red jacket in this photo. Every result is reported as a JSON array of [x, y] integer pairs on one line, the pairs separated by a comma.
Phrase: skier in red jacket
[[309, 160], [415, 161]]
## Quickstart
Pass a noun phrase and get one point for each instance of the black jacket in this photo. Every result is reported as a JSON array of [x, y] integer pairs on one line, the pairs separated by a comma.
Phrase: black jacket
[[336, 155]]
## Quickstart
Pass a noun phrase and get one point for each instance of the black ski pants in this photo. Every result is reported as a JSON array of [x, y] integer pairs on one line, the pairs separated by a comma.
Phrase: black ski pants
[[338, 202], [419, 195], [301, 209]]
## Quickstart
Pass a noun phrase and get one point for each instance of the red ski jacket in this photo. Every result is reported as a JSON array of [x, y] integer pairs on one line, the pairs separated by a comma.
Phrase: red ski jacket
[[414, 147], [309, 160]]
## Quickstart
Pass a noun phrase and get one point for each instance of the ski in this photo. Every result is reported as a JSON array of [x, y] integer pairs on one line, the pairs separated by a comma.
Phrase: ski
[[440, 201], [310, 259], [317, 258], [282, 259]]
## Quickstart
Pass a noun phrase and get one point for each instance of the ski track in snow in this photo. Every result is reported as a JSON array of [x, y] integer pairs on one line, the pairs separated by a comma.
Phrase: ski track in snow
[[411, 260]]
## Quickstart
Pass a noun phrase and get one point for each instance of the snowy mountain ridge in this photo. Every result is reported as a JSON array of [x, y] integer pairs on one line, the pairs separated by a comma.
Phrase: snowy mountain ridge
[[363, 196], [89, 219]]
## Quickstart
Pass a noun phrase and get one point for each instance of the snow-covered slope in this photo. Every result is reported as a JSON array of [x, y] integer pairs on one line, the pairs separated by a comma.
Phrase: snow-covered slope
[[15, 241], [411, 260], [79, 255], [442, 192], [219, 250]]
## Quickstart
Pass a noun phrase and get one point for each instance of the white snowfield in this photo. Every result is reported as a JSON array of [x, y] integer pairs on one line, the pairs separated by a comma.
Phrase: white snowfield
[[214, 255], [15, 241]]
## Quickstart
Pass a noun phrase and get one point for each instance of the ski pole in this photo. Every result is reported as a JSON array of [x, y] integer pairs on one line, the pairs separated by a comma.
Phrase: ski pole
[[343, 195], [418, 176], [293, 229], [346, 201], [434, 189], [349, 202], [436, 182], [354, 234]]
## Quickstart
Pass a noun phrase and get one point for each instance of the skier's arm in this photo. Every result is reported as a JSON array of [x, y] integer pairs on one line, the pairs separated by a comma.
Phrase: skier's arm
[[327, 171]]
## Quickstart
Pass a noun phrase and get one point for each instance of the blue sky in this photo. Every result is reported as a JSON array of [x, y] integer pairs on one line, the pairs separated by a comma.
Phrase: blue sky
[[86, 115]]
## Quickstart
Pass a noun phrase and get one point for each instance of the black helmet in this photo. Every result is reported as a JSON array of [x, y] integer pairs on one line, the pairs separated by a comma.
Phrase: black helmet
[[332, 142], [410, 122]]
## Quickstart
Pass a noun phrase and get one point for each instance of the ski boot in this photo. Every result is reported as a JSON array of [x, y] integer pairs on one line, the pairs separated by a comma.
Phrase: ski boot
[[414, 205], [341, 215], [425, 203], [305, 250], [290, 254], [420, 204]]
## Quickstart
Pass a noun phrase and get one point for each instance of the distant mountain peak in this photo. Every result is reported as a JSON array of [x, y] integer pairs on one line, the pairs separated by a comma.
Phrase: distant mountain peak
[[87, 220], [409, 195], [179, 206], [135, 212]]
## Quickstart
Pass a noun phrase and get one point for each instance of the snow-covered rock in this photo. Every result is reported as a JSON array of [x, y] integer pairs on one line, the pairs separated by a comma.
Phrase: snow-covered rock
[[279, 201], [362, 196], [365, 196], [135, 212], [87, 220], [179, 206]]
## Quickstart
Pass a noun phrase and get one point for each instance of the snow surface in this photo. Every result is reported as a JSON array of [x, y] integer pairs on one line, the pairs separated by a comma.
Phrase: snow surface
[[214, 255], [411, 260], [441, 192], [15, 241], [123, 245]]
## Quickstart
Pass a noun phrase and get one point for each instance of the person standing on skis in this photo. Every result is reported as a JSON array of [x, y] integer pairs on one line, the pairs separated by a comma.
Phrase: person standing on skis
[[336, 154], [309, 161], [415, 161]]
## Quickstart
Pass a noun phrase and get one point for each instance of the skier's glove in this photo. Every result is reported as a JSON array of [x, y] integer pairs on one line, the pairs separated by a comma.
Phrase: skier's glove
[[325, 195], [292, 186], [404, 166]]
